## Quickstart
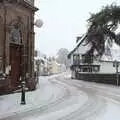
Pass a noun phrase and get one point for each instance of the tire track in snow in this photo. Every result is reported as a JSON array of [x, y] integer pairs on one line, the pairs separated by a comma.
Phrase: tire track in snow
[[102, 90], [92, 108], [42, 109]]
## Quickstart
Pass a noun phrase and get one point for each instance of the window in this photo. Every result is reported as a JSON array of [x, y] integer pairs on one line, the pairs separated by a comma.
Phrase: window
[[76, 59], [87, 58], [96, 69], [89, 68], [85, 70], [15, 34]]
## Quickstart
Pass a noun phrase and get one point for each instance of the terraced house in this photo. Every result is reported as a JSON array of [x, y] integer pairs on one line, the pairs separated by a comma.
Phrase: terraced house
[[16, 44]]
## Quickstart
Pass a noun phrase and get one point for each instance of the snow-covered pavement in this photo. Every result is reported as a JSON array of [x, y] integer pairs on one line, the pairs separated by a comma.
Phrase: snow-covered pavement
[[59, 97]]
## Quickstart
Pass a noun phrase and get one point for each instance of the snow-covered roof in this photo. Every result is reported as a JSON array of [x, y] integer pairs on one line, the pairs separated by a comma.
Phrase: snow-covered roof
[[111, 53], [77, 46], [40, 58]]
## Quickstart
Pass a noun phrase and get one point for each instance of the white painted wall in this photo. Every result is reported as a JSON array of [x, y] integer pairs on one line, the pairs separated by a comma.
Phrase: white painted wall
[[107, 67]]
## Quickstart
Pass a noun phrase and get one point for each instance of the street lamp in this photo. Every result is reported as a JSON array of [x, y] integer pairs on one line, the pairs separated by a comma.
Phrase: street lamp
[[38, 23]]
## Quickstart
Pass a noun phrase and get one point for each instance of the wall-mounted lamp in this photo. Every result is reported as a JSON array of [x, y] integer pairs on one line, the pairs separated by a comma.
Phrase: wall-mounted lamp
[[38, 23]]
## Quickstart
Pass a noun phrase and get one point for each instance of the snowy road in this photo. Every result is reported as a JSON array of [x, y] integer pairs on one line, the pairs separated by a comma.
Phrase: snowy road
[[67, 99]]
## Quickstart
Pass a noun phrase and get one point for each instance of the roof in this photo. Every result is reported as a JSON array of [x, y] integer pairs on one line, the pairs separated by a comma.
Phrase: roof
[[79, 43], [110, 55]]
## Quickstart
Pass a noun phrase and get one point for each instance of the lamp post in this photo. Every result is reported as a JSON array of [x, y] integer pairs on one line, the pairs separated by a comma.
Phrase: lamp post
[[38, 24], [23, 101], [22, 83], [116, 65]]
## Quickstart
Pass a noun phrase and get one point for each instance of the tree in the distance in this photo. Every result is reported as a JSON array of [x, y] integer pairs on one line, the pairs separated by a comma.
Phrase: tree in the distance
[[62, 57]]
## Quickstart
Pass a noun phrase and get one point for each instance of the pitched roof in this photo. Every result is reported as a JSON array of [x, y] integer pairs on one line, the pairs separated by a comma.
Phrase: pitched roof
[[111, 55], [79, 43]]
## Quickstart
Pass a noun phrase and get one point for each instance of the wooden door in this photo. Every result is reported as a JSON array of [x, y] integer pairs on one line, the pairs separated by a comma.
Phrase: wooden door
[[15, 62]]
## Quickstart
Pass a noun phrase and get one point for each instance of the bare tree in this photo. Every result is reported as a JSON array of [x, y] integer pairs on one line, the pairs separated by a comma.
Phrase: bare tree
[[62, 57]]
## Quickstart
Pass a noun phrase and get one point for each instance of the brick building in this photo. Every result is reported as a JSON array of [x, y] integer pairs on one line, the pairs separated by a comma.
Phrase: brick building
[[16, 43]]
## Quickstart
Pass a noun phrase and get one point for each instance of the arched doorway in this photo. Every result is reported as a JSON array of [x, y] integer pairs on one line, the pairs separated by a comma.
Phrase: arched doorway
[[15, 62], [15, 53]]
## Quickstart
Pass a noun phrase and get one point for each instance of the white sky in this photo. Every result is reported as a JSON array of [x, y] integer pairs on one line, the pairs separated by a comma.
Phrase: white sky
[[63, 21]]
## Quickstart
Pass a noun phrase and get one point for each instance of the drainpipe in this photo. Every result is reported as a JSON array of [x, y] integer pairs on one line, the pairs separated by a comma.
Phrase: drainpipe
[[4, 54]]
